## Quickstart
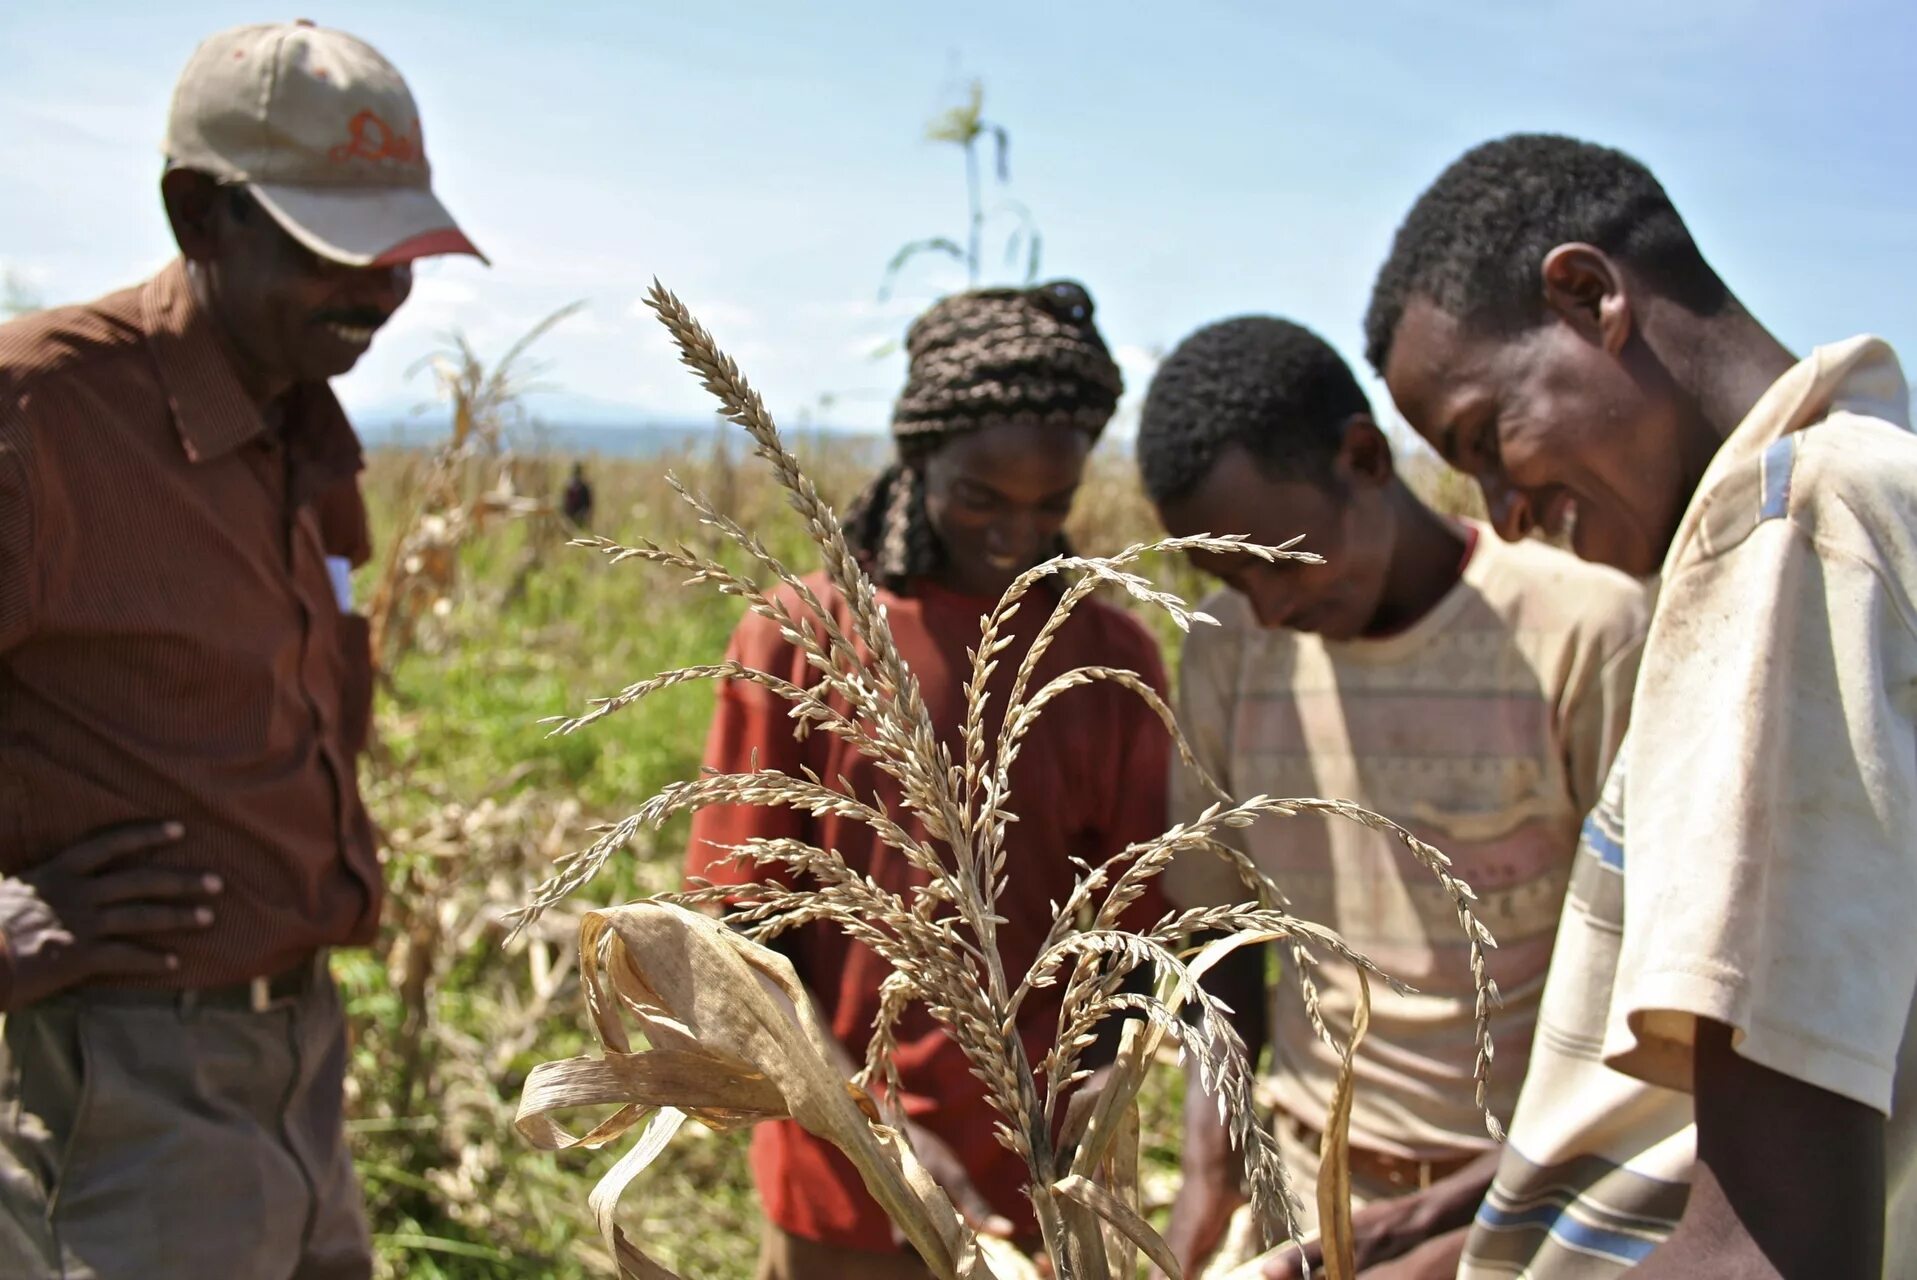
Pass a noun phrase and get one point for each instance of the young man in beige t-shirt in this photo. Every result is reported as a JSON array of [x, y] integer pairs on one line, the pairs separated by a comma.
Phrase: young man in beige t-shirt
[[1725, 1083], [1471, 691]]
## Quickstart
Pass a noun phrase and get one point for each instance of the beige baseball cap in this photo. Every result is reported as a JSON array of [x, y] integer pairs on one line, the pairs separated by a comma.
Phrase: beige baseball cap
[[323, 132]]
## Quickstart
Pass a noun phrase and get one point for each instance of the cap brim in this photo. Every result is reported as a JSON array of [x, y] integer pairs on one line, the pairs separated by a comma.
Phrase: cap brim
[[363, 227]]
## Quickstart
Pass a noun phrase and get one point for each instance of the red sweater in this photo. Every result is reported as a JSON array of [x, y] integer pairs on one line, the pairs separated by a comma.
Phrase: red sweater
[[1089, 780]]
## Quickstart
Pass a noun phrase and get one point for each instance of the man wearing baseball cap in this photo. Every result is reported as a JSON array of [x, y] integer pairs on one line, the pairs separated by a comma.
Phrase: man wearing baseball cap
[[184, 688]]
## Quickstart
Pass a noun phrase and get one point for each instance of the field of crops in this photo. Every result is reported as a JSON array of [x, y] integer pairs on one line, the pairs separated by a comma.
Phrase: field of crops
[[475, 799]]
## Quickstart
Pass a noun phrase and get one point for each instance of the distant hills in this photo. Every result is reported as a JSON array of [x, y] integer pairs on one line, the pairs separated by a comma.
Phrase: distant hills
[[604, 439]]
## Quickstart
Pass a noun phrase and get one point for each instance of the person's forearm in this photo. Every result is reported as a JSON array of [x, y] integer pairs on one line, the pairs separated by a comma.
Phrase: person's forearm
[[1392, 1228], [1434, 1259]]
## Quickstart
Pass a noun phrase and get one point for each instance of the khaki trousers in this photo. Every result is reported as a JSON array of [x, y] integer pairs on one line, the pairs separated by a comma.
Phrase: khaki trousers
[[146, 1136]]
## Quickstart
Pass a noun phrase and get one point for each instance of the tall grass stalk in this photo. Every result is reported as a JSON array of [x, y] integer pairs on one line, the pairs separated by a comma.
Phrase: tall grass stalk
[[732, 1036]]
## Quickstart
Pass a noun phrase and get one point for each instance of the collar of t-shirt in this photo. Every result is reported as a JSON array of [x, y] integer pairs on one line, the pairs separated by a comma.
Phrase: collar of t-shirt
[[1859, 374], [1392, 644]]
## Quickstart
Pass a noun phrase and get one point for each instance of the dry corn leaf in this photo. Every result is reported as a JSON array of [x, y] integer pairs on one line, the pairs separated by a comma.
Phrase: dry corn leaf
[[720, 1093], [1120, 1174], [633, 1262], [1123, 1218], [736, 1040], [1334, 1172]]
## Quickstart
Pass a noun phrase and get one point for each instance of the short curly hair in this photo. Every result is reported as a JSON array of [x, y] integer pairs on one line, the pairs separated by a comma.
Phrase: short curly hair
[[1271, 386], [1475, 240]]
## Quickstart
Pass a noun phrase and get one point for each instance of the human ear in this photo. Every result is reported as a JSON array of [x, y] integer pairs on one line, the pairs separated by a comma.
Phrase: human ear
[[192, 208], [1364, 454], [1584, 287]]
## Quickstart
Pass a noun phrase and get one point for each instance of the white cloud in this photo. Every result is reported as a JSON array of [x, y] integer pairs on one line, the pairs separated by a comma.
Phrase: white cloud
[[1137, 362]]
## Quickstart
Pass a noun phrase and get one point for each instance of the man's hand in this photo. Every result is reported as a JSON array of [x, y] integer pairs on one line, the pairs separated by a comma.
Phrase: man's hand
[[1400, 1236], [1435, 1259], [80, 915], [1210, 1187]]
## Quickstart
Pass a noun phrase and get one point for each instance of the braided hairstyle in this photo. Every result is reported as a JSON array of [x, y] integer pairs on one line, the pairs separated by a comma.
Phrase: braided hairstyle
[[1031, 357]]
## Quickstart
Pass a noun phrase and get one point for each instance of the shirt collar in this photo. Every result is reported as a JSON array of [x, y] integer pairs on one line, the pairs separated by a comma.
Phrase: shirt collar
[[1857, 375], [211, 411]]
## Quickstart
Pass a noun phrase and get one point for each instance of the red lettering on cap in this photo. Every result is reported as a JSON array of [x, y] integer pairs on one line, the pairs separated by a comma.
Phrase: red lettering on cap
[[371, 138]]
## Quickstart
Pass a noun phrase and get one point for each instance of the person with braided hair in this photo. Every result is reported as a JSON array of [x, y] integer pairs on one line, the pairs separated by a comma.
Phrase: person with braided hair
[[1007, 392]]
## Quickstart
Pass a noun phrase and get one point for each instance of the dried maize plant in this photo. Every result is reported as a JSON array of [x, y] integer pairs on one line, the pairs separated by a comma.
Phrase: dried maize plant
[[733, 1037], [469, 483]]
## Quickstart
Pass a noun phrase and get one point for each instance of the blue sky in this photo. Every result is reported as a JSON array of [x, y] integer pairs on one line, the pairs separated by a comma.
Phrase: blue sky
[[1188, 163]]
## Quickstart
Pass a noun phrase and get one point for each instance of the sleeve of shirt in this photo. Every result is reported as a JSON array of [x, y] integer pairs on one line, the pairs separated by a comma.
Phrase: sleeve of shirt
[[1207, 688], [1596, 703], [19, 567], [1769, 810], [750, 730]]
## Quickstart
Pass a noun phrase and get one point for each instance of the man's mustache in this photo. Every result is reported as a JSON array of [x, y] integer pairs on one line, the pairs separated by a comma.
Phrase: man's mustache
[[357, 317]]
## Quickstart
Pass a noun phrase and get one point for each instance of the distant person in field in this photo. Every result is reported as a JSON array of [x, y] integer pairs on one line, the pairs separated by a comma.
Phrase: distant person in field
[[184, 688], [1007, 393], [1472, 692], [576, 502], [1725, 1083]]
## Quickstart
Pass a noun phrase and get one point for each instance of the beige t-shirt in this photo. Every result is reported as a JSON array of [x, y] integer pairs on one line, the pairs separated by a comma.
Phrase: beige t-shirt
[[1485, 729], [1754, 857]]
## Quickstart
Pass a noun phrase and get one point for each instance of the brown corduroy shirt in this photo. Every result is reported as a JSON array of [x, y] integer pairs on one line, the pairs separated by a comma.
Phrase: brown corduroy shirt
[[171, 645]]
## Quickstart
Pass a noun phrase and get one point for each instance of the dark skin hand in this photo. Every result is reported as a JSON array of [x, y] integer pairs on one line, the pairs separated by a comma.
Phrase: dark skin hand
[[1412, 1237], [1398, 1237], [1789, 1180], [93, 911], [1435, 1259]]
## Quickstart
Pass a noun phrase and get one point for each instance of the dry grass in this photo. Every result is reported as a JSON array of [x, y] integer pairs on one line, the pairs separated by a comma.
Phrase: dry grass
[[471, 481], [725, 1051]]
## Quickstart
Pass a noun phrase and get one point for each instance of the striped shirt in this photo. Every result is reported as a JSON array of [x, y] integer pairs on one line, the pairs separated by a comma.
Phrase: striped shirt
[[1751, 860], [172, 643], [1485, 729]]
